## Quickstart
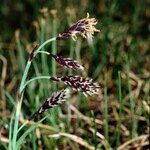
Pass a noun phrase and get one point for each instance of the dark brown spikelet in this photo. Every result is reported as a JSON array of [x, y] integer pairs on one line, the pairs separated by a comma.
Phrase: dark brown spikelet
[[67, 62], [85, 27], [53, 101], [78, 83]]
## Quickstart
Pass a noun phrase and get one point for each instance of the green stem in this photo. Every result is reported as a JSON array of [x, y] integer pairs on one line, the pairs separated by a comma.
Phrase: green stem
[[18, 109], [24, 76], [46, 42], [43, 52], [106, 129], [23, 84], [132, 103], [25, 123], [35, 78], [29, 64], [54, 50]]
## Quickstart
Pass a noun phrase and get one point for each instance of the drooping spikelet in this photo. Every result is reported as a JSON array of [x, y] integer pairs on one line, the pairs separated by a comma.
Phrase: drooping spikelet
[[67, 62], [84, 27], [78, 83], [53, 101]]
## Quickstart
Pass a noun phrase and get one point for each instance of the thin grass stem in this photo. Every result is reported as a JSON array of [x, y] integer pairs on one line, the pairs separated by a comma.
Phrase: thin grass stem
[[21, 54], [29, 63], [95, 131], [54, 49], [132, 103], [10, 133], [44, 52], [23, 136], [45, 43], [18, 109], [43, 58], [106, 114], [120, 110], [24, 124], [35, 78]]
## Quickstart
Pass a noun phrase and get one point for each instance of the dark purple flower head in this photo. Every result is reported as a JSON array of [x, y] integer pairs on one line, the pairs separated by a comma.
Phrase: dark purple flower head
[[85, 27], [79, 84], [53, 101], [68, 62]]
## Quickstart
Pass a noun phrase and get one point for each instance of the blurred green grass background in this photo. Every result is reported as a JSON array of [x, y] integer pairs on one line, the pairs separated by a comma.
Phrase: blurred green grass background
[[119, 59]]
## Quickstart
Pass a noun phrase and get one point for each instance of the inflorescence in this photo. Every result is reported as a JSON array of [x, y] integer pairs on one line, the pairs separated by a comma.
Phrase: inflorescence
[[54, 100], [86, 28]]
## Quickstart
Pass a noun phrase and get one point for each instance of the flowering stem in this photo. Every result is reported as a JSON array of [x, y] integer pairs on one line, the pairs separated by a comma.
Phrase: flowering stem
[[29, 64], [44, 52], [46, 42], [24, 76], [36, 78], [21, 88]]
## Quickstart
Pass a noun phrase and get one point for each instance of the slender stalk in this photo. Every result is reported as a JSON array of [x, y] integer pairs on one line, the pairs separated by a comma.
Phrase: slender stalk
[[71, 53], [21, 54], [24, 124], [54, 49], [71, 46], [44, 52], [35, 78], [29, 63], [132, 103], [18, 109], [120, 110], [45, 43], [10, 133], [42, 37], [23, 84], [95, 130], [24, 76], [106, 114]]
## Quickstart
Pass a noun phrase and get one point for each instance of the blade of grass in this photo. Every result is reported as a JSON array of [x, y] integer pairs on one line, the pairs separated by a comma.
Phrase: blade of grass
[[120, 111], [95, 131], [70, 71], [54, 49], [26, 133], [21, 53], [132, 103], [33, 137], [11, 99], [43, 57], [54, 112], [42, 38], [17, 113], [74, 138], [106, 114], [71, 44], [10, 133]]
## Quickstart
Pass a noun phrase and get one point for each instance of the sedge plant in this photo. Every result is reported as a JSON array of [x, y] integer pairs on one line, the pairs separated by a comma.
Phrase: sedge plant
[[86, 28]]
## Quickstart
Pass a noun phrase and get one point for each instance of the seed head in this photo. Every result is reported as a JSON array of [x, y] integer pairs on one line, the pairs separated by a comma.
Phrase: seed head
[[84, 27], [53, 101], [78, 83], [68, 62]]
